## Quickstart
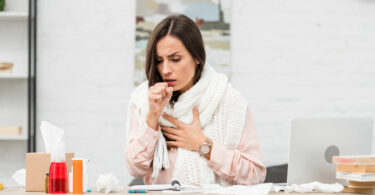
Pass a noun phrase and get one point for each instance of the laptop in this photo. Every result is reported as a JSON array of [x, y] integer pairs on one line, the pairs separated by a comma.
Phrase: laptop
[[315, 140]]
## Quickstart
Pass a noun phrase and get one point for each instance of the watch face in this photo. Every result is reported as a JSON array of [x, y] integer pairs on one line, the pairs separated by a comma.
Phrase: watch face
[[205, 149]]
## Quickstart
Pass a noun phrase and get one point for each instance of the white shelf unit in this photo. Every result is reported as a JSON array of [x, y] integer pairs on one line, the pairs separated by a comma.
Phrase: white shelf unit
[[13, 76], [13, 16], [15, 138], [14, 87]]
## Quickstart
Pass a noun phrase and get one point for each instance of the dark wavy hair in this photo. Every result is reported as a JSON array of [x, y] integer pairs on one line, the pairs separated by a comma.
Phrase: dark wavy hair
[[185, 29]]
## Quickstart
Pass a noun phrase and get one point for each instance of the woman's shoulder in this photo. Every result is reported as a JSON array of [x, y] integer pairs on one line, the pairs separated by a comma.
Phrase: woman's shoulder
[[139, 94], [143, 85], [140, 89], [233, 98], [232, 92]]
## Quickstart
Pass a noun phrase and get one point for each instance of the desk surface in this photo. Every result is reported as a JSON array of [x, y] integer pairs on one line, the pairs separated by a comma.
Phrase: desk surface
[[21, 191]]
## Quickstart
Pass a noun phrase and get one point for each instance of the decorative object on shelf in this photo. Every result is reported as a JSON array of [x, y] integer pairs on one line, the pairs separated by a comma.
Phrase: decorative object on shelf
[[6, 67], [10, 130], [2, 5]]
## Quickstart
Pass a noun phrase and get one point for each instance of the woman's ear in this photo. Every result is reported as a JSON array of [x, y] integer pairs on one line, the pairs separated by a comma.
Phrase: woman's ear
[[197, 61]]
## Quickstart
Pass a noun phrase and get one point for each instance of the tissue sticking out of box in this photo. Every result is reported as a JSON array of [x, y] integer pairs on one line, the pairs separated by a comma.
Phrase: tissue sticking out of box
[[53, 140]]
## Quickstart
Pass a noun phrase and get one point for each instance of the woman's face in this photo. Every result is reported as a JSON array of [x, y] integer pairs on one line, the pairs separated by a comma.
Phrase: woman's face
[[175, 63]]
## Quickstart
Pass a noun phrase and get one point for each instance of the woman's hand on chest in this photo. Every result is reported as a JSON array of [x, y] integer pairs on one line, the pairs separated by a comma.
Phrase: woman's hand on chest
[[188, 136]]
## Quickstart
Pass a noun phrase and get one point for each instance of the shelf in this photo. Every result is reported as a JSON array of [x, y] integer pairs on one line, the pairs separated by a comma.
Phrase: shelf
[[13, 76], [6, 15], [20, 138]]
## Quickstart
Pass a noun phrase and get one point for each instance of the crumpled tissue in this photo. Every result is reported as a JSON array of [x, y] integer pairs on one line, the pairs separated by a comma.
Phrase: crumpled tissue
[[19, 177], [310, 187], [107, 183]]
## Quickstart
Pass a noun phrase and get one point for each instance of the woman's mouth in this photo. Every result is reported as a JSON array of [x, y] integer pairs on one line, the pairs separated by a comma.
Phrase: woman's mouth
[[170, 82]]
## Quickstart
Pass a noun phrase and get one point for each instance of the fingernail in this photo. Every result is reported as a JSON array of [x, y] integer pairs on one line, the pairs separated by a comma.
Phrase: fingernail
[[162, 114]]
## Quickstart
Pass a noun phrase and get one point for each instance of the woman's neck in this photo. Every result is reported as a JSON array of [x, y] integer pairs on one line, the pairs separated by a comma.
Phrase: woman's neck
[[187, 87]]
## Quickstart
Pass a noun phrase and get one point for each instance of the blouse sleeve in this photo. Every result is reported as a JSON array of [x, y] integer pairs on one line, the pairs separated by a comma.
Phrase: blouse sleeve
[[243, 165], [139, 152]]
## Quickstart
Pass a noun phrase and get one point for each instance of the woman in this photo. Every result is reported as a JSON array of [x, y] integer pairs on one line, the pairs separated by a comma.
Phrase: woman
[[186, 122]]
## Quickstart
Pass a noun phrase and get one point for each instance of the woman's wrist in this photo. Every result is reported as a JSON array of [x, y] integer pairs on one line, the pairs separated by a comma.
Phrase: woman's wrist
[[152, 120], [208, 155], [205, 147]]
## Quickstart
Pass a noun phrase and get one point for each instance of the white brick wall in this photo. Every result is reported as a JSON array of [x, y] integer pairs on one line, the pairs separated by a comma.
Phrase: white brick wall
[[85, 57], [290, 58], [303, 58]]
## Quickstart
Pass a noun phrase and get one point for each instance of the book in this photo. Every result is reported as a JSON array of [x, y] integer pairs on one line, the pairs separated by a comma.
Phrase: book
[[5, 72], [360, 184], [356, 176], [10, 130], [358, 190], [355, 160], [355, 168], [6, 66]]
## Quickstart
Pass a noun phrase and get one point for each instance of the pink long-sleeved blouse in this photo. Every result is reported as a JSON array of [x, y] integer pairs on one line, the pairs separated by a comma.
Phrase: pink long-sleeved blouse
[[240, 166]]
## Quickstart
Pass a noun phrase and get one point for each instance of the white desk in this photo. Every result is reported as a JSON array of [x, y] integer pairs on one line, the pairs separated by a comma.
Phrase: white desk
[[21, 191]]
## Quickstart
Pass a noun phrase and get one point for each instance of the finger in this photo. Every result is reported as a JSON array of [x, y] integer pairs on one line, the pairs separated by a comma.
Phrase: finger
[[155, 98], [195, 113], [174, 121], [163, 93], [169, 91], [171, 136], [170, 130], [159, 88], [173, 144], [159, 91], [163, 85]]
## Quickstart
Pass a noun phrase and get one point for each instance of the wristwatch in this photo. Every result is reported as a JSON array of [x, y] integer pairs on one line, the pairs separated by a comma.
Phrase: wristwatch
[[205, 148]]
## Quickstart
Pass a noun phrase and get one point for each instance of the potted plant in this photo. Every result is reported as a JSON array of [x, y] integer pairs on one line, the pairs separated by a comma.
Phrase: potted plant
[[2, 5]]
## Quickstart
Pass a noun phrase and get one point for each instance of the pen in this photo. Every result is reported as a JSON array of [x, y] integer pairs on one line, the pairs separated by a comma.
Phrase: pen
[[137, 191]]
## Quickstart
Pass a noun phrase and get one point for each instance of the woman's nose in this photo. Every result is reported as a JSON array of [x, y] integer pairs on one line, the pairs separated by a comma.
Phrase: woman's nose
[[166, 68]]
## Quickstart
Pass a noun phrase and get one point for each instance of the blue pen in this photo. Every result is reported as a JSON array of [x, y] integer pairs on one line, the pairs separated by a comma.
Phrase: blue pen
[[137, 191]]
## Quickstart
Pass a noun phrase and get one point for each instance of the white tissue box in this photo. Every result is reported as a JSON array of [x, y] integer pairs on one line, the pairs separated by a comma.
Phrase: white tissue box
[[37, 165]]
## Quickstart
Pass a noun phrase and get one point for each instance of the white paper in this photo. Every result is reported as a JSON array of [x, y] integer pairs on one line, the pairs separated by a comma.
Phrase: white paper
[[185, 188], [158, 187], [258, 189], [356, 176]]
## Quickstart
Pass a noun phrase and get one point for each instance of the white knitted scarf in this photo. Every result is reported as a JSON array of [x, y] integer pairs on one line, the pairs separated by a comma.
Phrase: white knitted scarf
[[222, 112]]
